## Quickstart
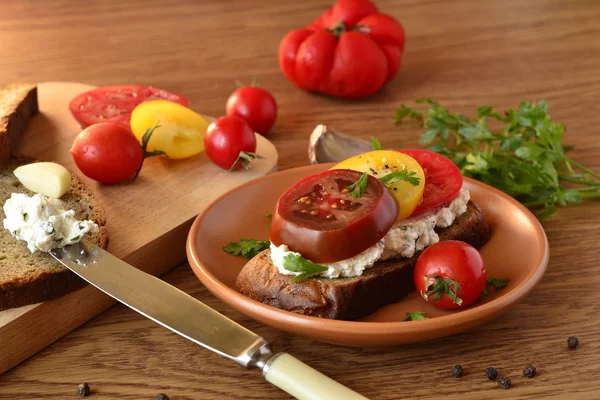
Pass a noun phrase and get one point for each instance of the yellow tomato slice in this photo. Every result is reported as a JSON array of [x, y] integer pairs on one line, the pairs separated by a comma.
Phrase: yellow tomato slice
[[181, 130], [379, 163]]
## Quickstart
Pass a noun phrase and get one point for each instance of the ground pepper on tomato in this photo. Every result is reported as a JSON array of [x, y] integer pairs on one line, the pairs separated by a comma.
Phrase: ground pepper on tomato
[[350, 51]]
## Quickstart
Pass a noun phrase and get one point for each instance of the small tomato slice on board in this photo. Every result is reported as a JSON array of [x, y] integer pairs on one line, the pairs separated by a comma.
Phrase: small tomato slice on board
[[180, 133], [450, 274], [379, 163], [321, 220], [115, 103], [443, 179]]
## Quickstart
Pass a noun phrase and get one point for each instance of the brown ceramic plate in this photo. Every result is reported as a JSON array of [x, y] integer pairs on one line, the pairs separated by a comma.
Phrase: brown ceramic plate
[[517, 250]]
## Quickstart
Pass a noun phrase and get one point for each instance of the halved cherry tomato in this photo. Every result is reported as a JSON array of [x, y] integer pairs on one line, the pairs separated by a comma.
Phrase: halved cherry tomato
[[115, 103], [107, 153], [325, 224], [379, 163], [180, 133], [452, 270], [443, 179]]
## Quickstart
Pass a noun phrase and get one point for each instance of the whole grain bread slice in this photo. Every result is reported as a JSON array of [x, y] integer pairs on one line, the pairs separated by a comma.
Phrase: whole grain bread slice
[[18, 103], [349, 298], [27, 278]]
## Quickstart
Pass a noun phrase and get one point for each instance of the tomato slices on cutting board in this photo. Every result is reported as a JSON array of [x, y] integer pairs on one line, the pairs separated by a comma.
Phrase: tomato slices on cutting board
[[115, 103]]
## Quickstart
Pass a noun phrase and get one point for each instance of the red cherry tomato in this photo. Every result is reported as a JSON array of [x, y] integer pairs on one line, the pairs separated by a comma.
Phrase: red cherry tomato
[[450, 274], [115, 103], [321, 221], [107, 152], [226, 138], [254, 105], [443, 179]]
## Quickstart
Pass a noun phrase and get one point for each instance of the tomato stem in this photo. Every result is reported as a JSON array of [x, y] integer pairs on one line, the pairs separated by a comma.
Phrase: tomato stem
[[438, 286], [145, 140], [337, 29]]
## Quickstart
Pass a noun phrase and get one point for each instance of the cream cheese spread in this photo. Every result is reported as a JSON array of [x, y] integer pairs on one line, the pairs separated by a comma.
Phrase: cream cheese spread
[[354, 266], [43, 222], [404, 239]]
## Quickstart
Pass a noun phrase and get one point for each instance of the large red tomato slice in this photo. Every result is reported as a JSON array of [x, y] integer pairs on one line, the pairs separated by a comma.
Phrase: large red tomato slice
[[115, 103], [320, 220], [443, 179]]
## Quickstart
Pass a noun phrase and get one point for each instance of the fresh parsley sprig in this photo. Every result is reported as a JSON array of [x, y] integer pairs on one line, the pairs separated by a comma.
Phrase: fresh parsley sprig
[[400, 176], [375, 144], [415, 316], [524, 157], [497, 283], [297, 263], [358, 187], [247, 248]]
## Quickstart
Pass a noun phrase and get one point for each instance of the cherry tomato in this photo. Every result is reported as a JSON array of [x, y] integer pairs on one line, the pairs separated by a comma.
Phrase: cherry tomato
[[226, 138], [319, 219], [115, 103], [380, 163], [450, 274], [443, 179], [107, 152], [254, 105], [180, 133]]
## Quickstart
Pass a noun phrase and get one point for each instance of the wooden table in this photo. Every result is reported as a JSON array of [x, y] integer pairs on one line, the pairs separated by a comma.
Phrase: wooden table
[[462, 53]]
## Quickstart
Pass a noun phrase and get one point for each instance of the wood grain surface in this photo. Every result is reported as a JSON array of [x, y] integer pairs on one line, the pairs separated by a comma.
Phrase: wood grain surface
[[462, 53]]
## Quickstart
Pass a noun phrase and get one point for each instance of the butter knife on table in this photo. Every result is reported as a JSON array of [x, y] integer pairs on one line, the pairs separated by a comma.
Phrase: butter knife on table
[[195, 321]]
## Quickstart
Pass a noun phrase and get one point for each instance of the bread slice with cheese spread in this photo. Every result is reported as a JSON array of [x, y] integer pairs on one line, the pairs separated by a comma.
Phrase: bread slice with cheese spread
[[28, 278], [350, 298]]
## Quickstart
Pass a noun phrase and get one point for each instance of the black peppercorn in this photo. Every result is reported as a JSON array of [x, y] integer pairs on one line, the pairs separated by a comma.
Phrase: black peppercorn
[[572, 342], [491, 373], [529, 371], [505, 382], [457, 371], [83, 389], [162, 396]]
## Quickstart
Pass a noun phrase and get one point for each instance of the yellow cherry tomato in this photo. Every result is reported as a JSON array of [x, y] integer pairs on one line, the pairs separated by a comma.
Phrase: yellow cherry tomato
[[379, 163], [180, 133]]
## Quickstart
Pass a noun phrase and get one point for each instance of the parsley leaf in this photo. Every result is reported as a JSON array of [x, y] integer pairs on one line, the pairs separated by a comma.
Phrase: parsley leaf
[[400, 176], [375, 145], [270, 215], [358, 187], [297, 263], [415, 316], [497, 283], [523, 155], [247, 248]]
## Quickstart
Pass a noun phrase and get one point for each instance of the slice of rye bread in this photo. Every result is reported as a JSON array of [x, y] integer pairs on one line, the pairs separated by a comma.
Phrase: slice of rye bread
[[350, 298], [29, 278], [18, 103]]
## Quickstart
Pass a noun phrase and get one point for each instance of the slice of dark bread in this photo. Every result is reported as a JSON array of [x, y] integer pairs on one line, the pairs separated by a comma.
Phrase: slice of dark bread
[[18, 103], [27, 278], [349, 298]]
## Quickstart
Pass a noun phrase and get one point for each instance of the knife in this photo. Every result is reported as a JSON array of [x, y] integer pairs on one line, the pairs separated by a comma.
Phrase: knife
[[195, 321]]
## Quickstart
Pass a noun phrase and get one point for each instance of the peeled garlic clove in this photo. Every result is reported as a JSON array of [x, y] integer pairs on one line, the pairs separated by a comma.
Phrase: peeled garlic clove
[[46, 178]]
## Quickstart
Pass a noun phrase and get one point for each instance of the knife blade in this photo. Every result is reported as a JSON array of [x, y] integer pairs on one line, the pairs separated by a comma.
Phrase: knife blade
[[195, 321]]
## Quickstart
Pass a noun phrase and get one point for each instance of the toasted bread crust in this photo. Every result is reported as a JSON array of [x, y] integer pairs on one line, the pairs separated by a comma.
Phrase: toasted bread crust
[[349, 298], [47, 279], [18, 103]]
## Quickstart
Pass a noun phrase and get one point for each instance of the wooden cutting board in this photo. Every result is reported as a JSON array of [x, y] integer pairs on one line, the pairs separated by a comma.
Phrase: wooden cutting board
[[148, 220]]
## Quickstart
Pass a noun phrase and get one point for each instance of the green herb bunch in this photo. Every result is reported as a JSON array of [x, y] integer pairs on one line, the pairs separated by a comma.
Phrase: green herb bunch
[[524, 157]]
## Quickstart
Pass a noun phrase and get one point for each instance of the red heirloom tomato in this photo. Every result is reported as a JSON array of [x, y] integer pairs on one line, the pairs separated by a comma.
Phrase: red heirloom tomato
[[350, 51], [450, 274], [319, 218], [443, 179]]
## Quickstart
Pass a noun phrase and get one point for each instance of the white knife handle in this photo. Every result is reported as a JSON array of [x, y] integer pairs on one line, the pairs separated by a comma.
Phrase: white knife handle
[[303, 382]]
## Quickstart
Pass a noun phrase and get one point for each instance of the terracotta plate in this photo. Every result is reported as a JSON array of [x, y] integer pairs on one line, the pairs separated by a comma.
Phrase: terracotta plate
[[517, 250]]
